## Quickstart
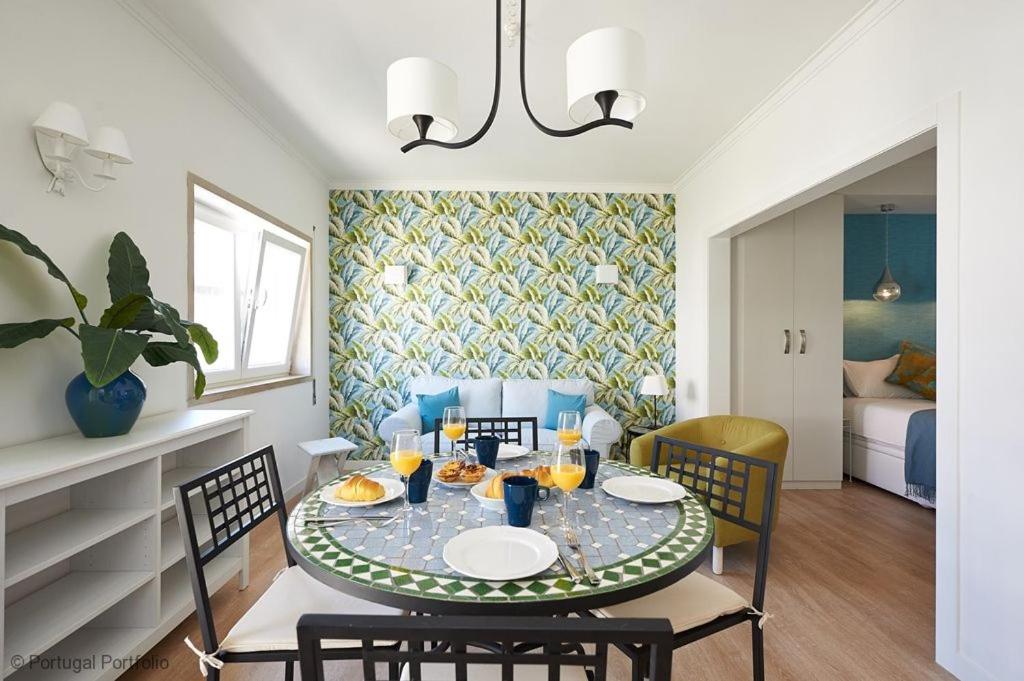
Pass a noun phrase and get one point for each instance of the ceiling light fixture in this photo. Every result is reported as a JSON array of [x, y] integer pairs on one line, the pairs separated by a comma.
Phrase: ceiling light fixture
[[887, 289], [604, 80]]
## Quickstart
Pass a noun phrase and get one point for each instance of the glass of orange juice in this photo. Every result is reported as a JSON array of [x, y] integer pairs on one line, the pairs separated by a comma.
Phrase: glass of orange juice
[[454, 424], [570, 428], [567, 472], [406, 457]]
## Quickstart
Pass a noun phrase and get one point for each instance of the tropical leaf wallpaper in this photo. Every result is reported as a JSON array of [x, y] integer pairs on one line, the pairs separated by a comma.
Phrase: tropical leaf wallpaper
[[500, 284]]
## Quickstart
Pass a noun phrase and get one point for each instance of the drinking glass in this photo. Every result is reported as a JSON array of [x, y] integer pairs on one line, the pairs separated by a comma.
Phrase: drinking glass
[[454, 424], [569, 427], [567, 473], [406, 457]]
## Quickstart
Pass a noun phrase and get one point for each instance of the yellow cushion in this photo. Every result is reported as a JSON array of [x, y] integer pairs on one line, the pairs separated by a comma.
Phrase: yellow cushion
[[915, 370], [689, 603], [745, 435]]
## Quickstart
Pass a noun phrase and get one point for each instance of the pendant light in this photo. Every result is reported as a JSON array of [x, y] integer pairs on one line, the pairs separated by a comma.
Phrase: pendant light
[[604, 82], [887, 289]]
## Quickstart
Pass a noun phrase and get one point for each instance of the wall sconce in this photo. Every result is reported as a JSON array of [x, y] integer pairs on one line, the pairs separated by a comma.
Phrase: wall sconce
[[606, 274], [60, 133], [395, 275]]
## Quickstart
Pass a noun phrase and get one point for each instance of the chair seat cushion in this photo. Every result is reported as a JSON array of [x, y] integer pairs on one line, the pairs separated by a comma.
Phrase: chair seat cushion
[[689, 603], [437, 671], [270, 623]]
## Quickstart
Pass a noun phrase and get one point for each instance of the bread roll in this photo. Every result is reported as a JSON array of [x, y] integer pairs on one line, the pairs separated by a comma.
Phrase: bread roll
[[359, 488], [496, 488], [542, 474]]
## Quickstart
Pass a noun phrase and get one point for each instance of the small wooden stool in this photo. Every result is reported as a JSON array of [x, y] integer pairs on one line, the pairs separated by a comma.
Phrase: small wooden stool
[[338, 446]]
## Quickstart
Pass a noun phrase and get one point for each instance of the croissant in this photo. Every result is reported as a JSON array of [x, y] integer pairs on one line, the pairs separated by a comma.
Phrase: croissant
[[359, 488], [496, 488], [542, 474]]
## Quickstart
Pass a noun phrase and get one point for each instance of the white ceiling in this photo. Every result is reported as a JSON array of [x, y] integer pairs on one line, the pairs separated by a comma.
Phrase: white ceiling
[[315, 69]]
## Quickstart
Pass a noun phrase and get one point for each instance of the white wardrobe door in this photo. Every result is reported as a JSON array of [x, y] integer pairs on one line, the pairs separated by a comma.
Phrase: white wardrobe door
[[818, 342], [763, 281]]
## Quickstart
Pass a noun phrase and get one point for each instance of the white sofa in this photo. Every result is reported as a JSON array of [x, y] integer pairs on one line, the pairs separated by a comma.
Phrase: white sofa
[[483, 397]]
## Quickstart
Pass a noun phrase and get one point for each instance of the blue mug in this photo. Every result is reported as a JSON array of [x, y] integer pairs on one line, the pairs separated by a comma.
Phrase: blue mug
[[419, 482], [521, 493], [593, 460], [487, 449]]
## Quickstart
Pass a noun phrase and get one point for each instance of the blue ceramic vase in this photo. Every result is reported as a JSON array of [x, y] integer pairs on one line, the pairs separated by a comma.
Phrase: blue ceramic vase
[[107, 411]]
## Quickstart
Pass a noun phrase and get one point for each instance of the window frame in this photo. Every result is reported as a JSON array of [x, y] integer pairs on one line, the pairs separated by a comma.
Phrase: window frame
[[238, 381]]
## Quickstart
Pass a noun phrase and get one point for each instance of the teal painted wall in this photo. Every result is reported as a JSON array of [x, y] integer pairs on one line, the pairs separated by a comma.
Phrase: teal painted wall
[[872, 330], [500, 284]]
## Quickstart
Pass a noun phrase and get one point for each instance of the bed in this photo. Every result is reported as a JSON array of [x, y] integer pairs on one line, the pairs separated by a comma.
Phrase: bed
[[877, 435]]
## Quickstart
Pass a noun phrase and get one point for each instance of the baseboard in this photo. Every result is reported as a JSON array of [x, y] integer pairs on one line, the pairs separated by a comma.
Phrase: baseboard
[[812, 484]]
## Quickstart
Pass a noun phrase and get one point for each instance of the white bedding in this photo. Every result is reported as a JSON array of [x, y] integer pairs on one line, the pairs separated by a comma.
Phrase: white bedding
[[882, 419]]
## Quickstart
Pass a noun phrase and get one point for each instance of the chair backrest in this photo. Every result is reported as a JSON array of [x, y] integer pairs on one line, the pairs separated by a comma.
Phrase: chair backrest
[[507, 428], [725, 480], [517, 642], [235, 498]]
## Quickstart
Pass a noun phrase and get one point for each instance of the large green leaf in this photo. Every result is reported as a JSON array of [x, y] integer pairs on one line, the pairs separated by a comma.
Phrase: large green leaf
[[168, 321], [123, 312], [30, 249], [126, 269], [159, 353], [202, 337], [108, 353], [13, 335]]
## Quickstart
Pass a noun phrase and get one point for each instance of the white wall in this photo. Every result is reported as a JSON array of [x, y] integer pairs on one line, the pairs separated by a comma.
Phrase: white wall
[[960, 64], [95, 55]]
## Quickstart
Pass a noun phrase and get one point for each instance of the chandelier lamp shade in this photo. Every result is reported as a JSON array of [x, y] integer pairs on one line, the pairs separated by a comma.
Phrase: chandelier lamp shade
[[887, 289], [605, 72]]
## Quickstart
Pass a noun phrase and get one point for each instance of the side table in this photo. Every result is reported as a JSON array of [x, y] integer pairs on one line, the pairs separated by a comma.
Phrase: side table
[[339, 447], [630, 434]]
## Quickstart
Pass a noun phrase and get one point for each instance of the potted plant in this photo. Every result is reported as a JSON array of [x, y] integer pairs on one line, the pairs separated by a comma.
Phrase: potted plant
[[106, 398]]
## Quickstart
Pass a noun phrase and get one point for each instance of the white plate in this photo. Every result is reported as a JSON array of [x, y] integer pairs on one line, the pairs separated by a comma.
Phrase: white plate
[[500, 553], [488, 474], [644, 489], [479, 492], [392, 490], [507, 451]]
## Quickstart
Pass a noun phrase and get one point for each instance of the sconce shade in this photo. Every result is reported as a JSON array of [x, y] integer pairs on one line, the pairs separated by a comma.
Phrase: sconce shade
[[110, 144], [395, 275], [418, 86], [64, 121], [606, 59], [654, 384], [606, 274]]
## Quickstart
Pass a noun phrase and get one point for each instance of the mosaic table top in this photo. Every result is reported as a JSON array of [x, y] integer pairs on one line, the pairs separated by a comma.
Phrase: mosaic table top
[[627, 544]]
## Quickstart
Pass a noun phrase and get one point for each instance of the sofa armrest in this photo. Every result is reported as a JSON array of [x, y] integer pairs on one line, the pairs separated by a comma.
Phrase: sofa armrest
[[403, 419], [600, 429]]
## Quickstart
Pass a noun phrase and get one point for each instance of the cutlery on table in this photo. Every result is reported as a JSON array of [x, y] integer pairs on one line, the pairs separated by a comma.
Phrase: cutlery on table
[[569, 567], [573, 540]]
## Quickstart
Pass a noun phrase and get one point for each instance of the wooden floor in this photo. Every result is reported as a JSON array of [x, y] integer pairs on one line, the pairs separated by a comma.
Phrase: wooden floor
[[850, 585]]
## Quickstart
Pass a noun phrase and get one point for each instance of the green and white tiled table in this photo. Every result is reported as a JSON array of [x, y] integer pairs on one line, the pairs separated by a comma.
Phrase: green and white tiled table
[[634, 548]]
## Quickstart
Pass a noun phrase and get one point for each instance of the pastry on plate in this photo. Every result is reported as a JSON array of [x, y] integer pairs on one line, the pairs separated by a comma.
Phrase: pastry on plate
[[451, 471], [359, 488], [496, 488], [542, 474], [472, 472]]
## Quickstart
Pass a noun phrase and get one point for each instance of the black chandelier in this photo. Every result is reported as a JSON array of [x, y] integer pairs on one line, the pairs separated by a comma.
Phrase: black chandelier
[[604, 76]]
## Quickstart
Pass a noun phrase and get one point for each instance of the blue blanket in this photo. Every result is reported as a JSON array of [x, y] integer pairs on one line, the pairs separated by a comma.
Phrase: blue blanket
[[919, 461]]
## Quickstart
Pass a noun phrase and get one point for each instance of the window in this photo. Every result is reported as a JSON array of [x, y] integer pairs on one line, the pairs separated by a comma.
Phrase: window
[[250, 283]]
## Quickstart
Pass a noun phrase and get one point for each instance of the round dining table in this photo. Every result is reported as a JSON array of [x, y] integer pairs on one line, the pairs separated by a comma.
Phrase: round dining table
[[635, 549]]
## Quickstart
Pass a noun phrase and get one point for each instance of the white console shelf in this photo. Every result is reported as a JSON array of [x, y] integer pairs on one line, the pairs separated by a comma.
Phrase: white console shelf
[[91, 558]]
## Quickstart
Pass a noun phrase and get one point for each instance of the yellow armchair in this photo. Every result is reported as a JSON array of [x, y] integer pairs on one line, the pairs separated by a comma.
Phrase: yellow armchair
[[752, 437]]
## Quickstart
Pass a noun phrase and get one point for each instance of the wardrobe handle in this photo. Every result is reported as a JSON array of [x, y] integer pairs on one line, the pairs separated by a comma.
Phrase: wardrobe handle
[[785, 350], [803, 342]]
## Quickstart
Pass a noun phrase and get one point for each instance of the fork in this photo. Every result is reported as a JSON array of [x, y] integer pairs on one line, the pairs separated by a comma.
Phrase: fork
[[573, 540]]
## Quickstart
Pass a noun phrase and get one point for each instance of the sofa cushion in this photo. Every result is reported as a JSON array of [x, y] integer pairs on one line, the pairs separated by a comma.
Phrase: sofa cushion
[[529, 397], [559, 402], [432, 407], [480, 396]]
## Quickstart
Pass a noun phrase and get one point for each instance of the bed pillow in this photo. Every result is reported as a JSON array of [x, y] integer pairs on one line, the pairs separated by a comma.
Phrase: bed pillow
[[915, 370], [868, 379]]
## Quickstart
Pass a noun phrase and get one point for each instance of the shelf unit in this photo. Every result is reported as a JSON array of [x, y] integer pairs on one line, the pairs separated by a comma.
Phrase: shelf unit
[[91, 554]]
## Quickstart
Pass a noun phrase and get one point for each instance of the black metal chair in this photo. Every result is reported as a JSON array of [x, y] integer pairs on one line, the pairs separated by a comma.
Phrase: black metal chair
[[508, 428], [235, 498], [560, 645], [698, 606]]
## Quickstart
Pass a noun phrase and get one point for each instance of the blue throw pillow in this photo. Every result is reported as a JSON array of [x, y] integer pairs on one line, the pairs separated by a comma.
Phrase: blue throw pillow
[[432, 407], [559, 402]]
